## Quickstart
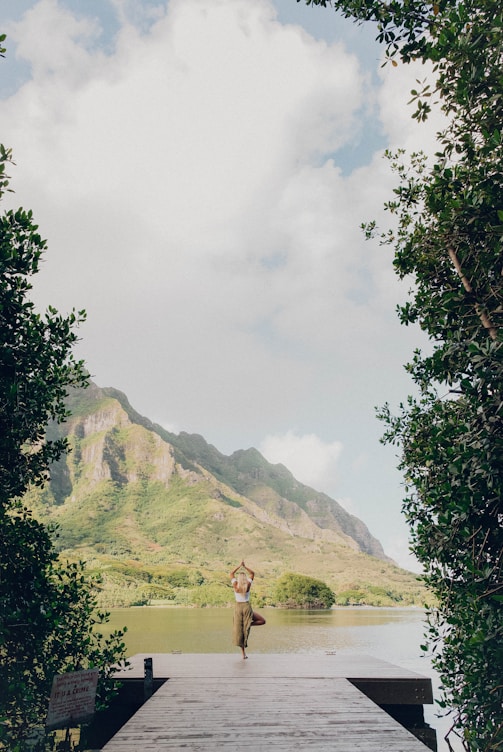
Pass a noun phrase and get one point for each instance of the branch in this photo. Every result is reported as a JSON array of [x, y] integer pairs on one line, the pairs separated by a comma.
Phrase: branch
[[486, 321]]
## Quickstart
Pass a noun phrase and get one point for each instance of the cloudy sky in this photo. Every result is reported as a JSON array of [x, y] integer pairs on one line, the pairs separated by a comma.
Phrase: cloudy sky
[[200, 169]]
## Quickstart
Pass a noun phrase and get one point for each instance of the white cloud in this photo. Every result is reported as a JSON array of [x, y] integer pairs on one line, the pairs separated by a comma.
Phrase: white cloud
[[309, 458], [186, 177], [178, 176], [67, 59]]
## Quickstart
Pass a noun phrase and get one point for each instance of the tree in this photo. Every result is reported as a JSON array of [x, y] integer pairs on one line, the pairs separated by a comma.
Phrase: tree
[[299, 591], [47, 609], [448, 239]]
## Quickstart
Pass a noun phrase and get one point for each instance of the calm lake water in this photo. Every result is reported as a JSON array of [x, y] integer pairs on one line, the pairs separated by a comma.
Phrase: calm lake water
[[392, 634]]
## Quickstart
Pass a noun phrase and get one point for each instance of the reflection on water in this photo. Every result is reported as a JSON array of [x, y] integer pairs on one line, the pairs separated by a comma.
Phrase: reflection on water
[[392, 634]]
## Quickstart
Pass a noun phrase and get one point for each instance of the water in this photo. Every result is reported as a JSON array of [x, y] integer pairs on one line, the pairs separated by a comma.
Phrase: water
[[392, 634]]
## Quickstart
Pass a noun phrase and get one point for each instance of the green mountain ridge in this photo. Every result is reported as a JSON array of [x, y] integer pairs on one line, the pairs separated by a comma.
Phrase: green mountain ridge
[[162, 516], [248, 473]]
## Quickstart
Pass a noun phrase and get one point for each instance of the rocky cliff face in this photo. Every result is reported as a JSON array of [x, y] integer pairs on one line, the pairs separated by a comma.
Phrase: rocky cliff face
[[115, 452], [274, 489], [107, 446]]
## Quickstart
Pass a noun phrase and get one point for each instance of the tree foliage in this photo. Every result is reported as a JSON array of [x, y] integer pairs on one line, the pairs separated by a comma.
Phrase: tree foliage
[[48, 614], [50, 625], [448, 240], [300, 591]]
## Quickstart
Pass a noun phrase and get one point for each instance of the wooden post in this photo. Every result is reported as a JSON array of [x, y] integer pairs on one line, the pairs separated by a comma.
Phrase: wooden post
[[148, 682]]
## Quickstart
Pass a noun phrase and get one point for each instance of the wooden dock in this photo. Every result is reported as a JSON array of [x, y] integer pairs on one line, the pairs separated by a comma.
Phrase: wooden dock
[[272, 702]]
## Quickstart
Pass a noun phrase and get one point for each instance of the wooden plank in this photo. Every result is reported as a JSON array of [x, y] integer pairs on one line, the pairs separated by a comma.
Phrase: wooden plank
[[345, 666], [253, 712], [381, 681]]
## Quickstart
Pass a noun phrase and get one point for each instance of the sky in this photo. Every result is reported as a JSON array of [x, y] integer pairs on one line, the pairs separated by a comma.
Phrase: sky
[[200, 170]]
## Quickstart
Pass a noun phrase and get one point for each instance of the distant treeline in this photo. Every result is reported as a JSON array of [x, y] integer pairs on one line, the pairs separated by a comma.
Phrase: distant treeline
[[123, 586]]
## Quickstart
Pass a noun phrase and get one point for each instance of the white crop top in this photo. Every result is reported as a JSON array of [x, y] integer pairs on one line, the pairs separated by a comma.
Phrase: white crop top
[[240, 598]]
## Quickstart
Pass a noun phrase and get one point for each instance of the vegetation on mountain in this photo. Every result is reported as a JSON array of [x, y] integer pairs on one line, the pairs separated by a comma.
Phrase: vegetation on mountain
[[249, 474], [157, 526], [48, 610], [448, 239]]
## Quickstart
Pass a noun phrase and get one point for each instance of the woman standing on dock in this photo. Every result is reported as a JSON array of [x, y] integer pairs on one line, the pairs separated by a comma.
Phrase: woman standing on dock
[[244, 616]]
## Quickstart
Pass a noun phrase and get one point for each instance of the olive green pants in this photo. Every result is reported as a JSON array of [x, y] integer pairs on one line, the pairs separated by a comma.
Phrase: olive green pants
[[243, 615]]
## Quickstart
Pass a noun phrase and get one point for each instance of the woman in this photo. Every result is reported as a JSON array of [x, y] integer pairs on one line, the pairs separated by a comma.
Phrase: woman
[[244, 616]]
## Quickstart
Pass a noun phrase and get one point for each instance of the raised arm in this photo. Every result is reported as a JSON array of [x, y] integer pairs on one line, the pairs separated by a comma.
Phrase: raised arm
[[233, 573], [250, 571]]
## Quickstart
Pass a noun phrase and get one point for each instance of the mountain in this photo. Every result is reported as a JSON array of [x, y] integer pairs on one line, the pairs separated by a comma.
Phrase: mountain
[[165, 516]]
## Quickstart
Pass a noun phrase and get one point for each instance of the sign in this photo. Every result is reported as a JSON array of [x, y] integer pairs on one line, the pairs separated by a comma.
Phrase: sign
[[73, 696]]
